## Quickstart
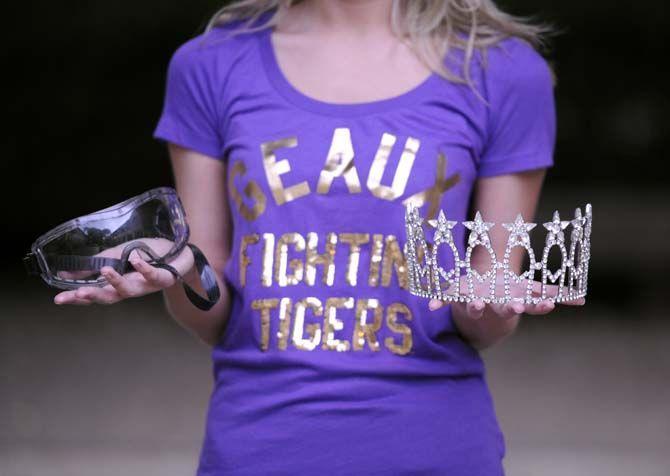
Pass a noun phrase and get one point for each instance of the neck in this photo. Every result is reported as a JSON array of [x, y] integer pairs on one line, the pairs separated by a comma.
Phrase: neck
[[355, 16]]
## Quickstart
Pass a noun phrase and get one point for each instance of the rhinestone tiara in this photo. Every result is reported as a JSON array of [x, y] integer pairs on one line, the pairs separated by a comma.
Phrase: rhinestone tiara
[[436, 270]]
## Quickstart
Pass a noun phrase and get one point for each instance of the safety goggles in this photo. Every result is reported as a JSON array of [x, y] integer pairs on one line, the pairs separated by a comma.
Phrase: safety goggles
[[151, 225]]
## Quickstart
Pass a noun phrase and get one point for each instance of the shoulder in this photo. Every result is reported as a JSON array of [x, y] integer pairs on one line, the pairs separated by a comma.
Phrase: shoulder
[[513, 64], [215, 51]]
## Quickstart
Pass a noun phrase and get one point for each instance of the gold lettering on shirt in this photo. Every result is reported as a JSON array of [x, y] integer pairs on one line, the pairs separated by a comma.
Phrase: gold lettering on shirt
[[354, 240], [364, 331], [393, 258], [251, 190], [375, 259], [325, 259], [331, 323], [404, 330], [284, 331], [244, 259], [367, 323], [386, 256], [299, 328], [281, 259], [432, 195], [265, 305], [275, 169], [340, 163], [268, 258], [401, 176]]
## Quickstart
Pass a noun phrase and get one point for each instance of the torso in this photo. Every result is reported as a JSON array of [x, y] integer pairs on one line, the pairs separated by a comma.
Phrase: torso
[[328, 363], [320, 380]]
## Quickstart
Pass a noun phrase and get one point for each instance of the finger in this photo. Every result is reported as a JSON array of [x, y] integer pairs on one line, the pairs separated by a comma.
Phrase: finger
[[541, 308], [106, 295], [68, 297], [435, 304], [123, 286], [475, 309], [153, 275], [510, 310], [65, 297], [550, 290]]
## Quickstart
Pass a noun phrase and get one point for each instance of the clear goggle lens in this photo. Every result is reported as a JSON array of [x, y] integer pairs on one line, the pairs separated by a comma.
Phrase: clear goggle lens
[[153, 230]]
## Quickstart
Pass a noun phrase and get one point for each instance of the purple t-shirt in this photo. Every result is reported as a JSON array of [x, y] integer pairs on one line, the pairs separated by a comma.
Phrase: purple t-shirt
[[327, 364]]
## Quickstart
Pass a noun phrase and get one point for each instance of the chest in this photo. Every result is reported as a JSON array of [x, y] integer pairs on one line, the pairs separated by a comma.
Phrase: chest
[[346, 70], [290, 152], [347, 169]]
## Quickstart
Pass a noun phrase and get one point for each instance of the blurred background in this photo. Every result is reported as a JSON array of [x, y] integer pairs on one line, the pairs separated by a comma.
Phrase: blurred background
[[123, 390]]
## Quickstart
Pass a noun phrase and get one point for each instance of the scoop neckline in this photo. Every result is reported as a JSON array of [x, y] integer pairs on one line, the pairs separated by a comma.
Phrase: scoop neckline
[[302, 100]]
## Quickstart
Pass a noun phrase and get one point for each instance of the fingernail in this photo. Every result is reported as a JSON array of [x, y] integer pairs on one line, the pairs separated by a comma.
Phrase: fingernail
[[479, 306], [518, 308], [58, 300], [432, 305]]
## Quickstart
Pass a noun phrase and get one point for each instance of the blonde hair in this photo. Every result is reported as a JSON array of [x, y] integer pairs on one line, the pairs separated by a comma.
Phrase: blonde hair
[[433, 27]]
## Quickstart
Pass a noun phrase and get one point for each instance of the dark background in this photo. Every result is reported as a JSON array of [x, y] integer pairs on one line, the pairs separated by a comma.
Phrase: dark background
[[81, 386], [86, 89]]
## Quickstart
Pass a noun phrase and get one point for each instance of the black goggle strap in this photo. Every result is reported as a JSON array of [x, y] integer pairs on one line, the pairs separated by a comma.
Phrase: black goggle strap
[[205, 272], [79, 263], [74, 263], [207, 280]]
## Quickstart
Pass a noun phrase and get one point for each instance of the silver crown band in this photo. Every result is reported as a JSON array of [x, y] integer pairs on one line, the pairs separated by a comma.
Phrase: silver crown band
[[460, 282]]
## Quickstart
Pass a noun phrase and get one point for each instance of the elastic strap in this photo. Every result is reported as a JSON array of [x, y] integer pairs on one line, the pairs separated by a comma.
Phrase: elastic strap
[[207, 280]]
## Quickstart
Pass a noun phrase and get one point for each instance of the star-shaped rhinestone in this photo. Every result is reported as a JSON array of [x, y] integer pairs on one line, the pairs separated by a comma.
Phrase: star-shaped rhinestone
[[443, 226], [478, 229], [479, 226], [556, 226], [413, 222], [519, 229]]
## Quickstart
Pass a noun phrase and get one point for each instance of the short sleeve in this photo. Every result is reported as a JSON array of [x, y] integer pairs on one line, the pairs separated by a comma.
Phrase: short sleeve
[[190, 118], [521, 131]]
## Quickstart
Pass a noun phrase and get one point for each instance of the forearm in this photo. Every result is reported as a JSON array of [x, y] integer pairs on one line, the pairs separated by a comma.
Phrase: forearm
[[201, 183], [500, 199], [206, 325]]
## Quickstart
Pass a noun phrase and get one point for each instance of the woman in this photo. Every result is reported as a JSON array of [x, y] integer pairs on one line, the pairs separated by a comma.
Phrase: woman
[[297, 132]]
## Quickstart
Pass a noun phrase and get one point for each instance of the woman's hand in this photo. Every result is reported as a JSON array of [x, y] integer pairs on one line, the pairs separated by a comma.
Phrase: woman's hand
[[486, 324], [145, 280]]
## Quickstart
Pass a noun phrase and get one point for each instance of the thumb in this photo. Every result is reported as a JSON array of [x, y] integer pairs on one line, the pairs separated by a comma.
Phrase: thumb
[[435, 304], [159, 278]]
